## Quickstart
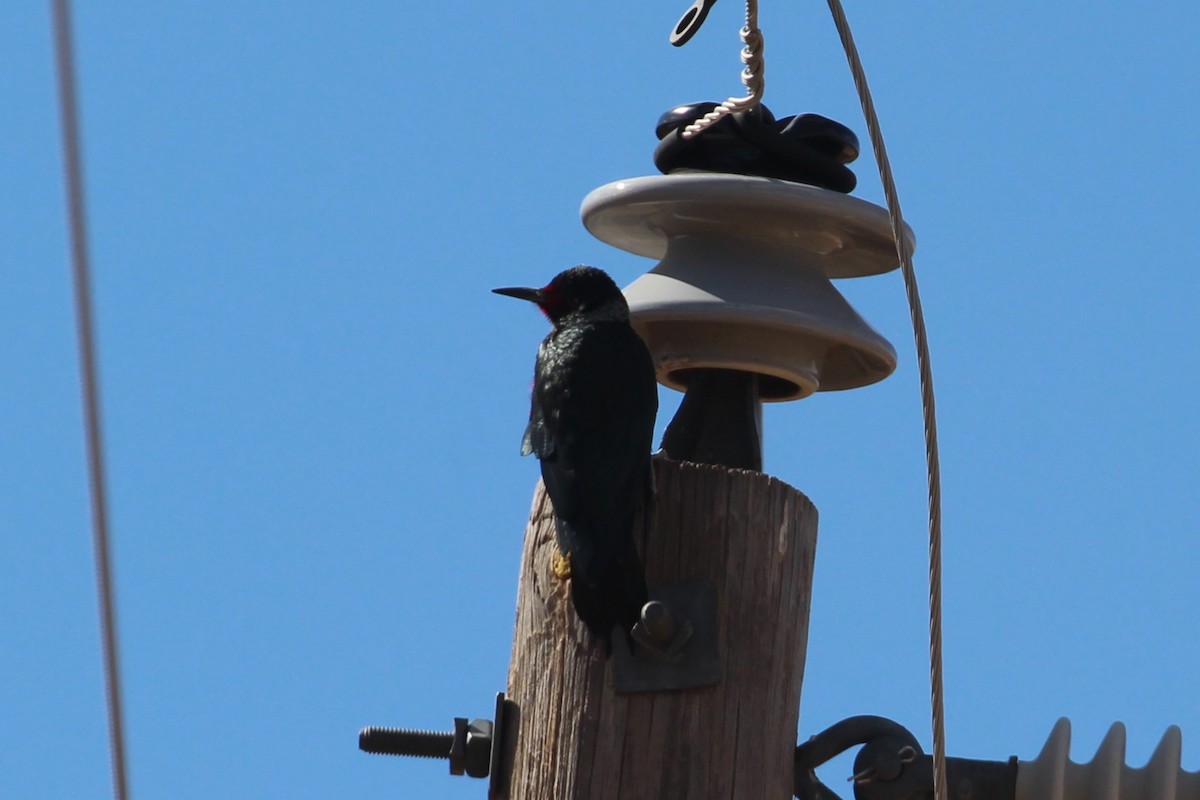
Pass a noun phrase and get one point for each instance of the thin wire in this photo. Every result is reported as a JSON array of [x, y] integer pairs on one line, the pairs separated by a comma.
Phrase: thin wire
[[752, 75], [68, 103], [927, 401]]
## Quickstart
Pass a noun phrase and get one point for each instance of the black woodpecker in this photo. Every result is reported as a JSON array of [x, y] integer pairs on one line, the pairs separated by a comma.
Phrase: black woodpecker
[[591, 424]]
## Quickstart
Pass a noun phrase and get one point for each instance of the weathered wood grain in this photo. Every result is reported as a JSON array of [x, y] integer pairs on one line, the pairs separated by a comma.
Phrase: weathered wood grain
[[753, 538]]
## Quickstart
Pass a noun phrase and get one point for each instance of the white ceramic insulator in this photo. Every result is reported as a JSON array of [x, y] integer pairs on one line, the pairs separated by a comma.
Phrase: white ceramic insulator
[[1054, 776], [744, 279]]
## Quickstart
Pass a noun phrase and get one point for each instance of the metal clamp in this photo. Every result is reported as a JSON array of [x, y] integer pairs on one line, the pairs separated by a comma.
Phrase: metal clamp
[[891, 766], [837, 739]]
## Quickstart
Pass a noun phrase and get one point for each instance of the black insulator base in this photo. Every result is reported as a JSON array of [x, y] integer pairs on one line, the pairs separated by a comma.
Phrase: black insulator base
[[806, 148], [719, 421]]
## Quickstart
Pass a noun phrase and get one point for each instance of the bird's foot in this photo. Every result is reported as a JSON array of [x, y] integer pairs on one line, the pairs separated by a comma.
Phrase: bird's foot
[[560, 565]]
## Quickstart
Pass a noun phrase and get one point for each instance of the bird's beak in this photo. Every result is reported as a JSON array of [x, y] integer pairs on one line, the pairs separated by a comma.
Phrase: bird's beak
[[522, 293]]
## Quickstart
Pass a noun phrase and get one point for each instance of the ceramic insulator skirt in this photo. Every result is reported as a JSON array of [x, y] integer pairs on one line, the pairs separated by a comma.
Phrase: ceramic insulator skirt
[[1053, 776], [743, 279]]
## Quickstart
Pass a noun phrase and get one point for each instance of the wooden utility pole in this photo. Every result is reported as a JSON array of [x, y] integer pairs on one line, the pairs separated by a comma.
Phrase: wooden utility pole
[[569, 735]]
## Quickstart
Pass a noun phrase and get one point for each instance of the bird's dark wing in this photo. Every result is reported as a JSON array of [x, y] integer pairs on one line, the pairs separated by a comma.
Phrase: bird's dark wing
[[536, 440], [593, 417]]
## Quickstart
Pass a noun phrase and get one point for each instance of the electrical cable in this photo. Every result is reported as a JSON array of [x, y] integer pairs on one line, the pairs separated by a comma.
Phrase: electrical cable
[[68, 102], [927, 400]]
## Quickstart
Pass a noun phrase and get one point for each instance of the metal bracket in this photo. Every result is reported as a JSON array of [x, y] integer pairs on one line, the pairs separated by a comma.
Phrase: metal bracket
[[719, 420], [676, 642], [497, 782]]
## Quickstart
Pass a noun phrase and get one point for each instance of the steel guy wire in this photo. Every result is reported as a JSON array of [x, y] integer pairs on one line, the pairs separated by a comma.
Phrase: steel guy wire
[[85, 324], [927, 399]]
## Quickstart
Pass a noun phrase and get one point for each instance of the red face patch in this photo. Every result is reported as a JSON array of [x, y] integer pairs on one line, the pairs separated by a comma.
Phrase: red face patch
[[552, 300]]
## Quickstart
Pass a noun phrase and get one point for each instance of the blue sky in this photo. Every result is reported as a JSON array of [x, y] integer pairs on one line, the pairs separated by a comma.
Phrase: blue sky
[[314, 403]]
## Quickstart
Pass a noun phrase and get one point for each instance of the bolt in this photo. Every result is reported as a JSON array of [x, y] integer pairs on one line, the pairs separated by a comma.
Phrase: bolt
[[404, 742], [659, 633], [468, 748], [657, 620]]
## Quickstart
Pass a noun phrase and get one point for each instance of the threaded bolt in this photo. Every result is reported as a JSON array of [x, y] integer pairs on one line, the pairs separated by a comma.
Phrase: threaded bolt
[[405, 742], [468, 748], [472, 748]]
